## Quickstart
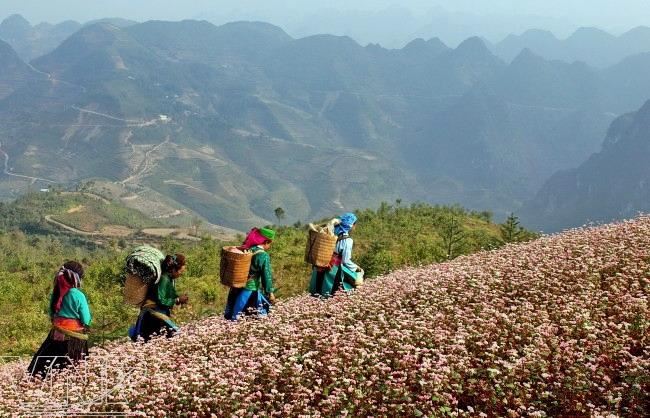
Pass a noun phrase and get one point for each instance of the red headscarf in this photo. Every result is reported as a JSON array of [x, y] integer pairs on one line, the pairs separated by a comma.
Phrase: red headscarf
[[65, 280], [254, 238]]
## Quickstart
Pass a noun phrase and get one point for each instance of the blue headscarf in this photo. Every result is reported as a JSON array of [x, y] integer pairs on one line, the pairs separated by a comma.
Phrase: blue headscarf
[[347, 220]]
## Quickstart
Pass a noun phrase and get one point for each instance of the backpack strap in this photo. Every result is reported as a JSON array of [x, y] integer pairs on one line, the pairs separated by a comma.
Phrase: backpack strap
[[340, 238]]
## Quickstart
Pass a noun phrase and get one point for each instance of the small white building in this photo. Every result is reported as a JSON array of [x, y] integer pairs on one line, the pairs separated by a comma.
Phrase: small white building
[[163, 118]]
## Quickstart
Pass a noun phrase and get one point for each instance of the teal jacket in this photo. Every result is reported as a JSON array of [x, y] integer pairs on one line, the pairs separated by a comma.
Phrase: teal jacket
[[74, 306]]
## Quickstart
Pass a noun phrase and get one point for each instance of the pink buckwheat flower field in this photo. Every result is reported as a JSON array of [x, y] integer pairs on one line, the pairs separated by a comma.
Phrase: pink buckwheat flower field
[[556, 327]]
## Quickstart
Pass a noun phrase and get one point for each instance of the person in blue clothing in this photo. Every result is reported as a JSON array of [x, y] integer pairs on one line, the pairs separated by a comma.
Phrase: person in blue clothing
[[256, 297], [342, 273], [67, 342]]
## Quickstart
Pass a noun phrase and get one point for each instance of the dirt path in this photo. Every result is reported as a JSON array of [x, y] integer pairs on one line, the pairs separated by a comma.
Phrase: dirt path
[[55, 80], [117, 231], [145, 164], [139, 123], [9, 173], [49, 219], [91, 195]]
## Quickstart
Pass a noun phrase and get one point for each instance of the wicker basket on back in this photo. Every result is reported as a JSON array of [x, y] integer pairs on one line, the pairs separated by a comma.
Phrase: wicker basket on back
[[143, 269], [319, 249], [234, 267], [135, 290]]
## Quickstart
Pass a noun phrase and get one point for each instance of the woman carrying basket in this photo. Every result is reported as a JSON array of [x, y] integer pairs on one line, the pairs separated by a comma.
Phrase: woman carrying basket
[[258, 294], [155, 314], [342, 271], [67, 342]]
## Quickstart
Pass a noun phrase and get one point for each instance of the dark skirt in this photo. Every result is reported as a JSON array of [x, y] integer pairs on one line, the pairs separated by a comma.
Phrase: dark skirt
[[148, 326], [55, 354]]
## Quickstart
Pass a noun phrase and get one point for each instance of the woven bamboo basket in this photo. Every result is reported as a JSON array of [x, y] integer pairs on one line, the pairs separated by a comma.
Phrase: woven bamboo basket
[[135, 290], [234, 267], [319, 249]]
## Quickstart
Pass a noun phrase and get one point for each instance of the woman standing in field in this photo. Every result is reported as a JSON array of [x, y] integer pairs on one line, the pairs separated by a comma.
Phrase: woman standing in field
[[67, 342], [258, 294], [155, 314], [342, 271]]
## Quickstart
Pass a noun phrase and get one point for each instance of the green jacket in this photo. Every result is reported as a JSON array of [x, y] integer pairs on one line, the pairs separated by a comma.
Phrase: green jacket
[[165, 291], [260, 274]]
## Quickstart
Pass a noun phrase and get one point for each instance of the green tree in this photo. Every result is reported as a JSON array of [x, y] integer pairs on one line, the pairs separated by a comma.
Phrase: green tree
[[511, 230], [279, 213], [453, 235], [377, 260]]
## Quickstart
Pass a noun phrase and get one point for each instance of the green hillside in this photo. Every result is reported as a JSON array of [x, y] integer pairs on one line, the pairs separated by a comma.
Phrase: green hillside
[[46, 212], [387, 238]]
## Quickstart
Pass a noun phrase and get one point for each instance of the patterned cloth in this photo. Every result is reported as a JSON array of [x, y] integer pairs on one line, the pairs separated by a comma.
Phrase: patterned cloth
[[64, 280], [144, 262]]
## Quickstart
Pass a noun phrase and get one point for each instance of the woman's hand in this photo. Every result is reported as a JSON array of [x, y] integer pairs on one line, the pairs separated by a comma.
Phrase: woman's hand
[[182, 300], [272, 298]]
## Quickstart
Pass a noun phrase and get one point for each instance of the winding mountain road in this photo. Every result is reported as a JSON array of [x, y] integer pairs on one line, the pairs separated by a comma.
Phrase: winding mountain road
[[137, 123], [55, 80], [8, 172], [145, 164]]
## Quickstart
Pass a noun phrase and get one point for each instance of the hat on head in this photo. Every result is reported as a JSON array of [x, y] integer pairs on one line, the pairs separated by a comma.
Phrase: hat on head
[[347, 220], [267, 233]]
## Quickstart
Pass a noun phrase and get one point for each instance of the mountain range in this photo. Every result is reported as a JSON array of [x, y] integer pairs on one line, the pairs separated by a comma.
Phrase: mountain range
[[32, 41], [592, 46], [232, 121], [612, 184]]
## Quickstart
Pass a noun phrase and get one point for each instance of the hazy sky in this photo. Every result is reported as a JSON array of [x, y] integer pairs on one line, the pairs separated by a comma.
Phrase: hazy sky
[[296, 15], [601, 12]]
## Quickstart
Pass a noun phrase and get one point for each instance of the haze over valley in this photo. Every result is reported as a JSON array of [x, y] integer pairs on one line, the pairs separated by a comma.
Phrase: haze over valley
[[227, 122]]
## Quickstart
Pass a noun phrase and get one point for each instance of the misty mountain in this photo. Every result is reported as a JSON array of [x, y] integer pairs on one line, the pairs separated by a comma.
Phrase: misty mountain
[[233, 121], [14, 73], [202, 160], [34, 41], [366, 26], [590, 45], [510, 132], [626, 84], [612, 184], [533, 80], [218, 46]]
